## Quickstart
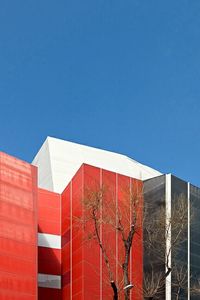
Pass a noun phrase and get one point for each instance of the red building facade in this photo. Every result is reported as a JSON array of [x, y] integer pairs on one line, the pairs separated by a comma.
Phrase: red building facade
[[85, 275], [49, 245], [77, 263], [45, 252], [18, 229]]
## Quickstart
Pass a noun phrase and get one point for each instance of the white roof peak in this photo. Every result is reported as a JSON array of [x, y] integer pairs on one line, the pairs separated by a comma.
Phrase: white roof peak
[[58, 161]]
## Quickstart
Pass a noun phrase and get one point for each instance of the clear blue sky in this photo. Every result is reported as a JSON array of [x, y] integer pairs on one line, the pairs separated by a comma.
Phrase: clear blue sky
[[114, 74]]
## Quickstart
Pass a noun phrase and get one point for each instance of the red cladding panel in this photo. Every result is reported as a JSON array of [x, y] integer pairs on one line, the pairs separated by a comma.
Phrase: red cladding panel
[[123, 203], [92, 260], [9, 295], [66, 292], [49, 212], [66, 279], [49, 261], [49, 222], [137, 252], [7, 246], [18, 229], [77, 233], [81, 256], [66, 258], [49, 294], [109, 206], [66, 209]]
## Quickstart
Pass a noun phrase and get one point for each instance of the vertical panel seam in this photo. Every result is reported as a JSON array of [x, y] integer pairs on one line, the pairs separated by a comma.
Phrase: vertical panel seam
[[101, 234], [188, 198], [83, 214], [168, 238], [116, 243], [71, 289], [131, 258]]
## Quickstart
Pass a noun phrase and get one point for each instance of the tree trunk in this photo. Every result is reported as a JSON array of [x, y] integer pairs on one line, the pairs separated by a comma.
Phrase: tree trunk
[[127, 294], [127, 245], [178, 293], [115, 291], [126, 281]]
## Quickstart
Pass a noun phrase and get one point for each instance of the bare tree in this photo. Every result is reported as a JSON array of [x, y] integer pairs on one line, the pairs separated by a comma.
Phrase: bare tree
[[195, 288], [180, 278], [153, 285], [127, 220], [163, 233], [124, 219]]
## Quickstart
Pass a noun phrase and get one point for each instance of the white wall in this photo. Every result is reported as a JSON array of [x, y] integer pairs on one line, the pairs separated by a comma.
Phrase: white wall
[[59, 160]]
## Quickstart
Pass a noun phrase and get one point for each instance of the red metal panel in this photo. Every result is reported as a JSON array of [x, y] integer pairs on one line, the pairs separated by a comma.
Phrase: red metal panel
[[78, 288], [123, 190], [66, 279], [16, 265], [49, 294], [91, 250], [20, 284], [49, 261], [77, 233], [10, 295], [66, 210], [108, 230], [87, 273], [46, 226], [66, 258], [66, 242], [137, 252], [66, 292], [66, 238], [18, 229], [49, 212], [77, 296], [127, 189], [7, 246], [71, 236], [48, 199]]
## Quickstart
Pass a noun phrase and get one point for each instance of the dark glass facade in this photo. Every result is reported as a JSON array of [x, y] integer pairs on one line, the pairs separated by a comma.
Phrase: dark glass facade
[[154, 201], [179, 256], [194, 239], [157, 192]]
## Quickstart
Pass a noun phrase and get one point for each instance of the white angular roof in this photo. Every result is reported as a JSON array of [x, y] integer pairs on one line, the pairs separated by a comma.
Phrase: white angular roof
[[59, 160]]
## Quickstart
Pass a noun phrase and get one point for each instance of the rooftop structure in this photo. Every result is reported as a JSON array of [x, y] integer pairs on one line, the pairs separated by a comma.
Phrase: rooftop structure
[[59, 160]]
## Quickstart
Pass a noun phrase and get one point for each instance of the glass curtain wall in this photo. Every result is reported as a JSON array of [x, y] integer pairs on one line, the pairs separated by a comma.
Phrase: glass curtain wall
[[154, 257], [155, 196], [195, 242], [179, 238]]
